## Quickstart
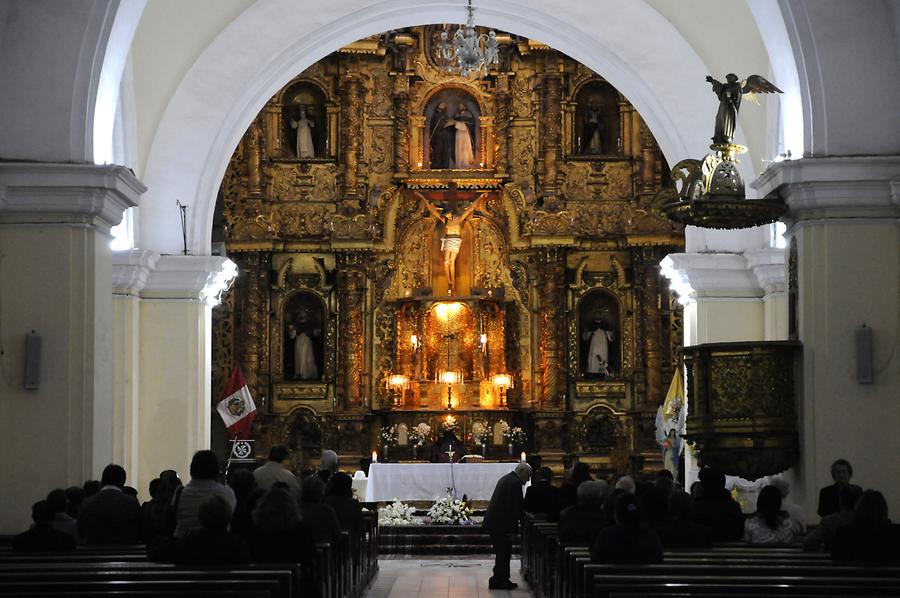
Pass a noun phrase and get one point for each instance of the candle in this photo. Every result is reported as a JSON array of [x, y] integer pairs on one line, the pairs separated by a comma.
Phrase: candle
[[483, 341], [523, 455], [414, 341], [375, 457]]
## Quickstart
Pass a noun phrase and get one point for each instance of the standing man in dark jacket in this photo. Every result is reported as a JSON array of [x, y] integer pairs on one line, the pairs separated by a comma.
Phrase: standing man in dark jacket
[[502, 519]]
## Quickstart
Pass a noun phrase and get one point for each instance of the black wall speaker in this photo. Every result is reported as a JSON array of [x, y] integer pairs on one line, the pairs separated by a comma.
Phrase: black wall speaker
[[863, 355], [32, 361]]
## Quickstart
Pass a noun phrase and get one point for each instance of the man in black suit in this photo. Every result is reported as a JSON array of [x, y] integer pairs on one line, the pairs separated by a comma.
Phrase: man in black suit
[[542, 497], [110, 516], [502, 519], [830, 496]]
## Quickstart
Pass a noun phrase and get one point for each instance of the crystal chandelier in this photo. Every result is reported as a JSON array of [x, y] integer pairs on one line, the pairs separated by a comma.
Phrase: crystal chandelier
[[469, 52]]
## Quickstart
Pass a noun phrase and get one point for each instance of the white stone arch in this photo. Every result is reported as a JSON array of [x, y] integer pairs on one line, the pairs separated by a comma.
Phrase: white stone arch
[[231, 81]]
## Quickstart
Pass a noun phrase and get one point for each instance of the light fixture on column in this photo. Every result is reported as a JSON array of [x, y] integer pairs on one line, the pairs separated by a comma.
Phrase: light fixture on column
[[503, 382], [469, 52]]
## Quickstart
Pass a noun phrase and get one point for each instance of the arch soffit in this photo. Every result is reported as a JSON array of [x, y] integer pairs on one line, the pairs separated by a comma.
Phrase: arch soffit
[[231, 81]]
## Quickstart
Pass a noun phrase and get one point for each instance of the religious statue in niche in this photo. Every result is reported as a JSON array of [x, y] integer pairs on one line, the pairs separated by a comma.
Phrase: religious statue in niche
[[304, 122], [303, 338], [596, 120], [304, 147], [451, 241], [598, 315], [452, 137]]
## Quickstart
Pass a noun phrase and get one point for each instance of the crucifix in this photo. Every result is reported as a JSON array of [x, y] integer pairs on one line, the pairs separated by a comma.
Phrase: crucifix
[[450, 453]]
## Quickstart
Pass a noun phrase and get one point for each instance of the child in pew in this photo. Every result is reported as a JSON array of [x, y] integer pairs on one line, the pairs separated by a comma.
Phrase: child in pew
[[769, 525], [42, 537]]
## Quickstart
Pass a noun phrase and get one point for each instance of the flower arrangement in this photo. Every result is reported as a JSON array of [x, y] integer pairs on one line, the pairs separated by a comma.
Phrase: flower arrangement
[[389, 435], [515, 435], [397, 513], [481, 434], [450, 511], [419, 434]]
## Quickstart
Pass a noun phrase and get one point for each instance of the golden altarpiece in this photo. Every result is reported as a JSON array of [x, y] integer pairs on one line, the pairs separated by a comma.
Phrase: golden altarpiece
[[413, 243]]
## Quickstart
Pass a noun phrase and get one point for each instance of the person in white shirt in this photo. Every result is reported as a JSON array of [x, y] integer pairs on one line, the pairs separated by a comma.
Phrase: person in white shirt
[[274, 471]]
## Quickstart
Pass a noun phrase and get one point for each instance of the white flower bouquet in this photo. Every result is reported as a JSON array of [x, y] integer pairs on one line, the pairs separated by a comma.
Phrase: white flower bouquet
[[418, 435], [397, 513], [515, 436], [389, 435], [450, 511]]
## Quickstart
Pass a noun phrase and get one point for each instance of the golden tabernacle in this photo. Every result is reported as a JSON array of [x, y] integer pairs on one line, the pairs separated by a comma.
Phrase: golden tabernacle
[[416, 245]]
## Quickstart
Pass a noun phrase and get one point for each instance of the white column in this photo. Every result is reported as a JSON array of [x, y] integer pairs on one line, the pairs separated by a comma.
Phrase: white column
[[845, 225], [131, 269], [55, 265], [175, 360], [770, 270]]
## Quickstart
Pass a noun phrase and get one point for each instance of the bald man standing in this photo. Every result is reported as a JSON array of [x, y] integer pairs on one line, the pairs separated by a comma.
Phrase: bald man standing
[[502, 519]]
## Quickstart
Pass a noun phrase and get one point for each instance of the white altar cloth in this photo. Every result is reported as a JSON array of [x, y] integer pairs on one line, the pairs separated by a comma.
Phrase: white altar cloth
[[429, 481]]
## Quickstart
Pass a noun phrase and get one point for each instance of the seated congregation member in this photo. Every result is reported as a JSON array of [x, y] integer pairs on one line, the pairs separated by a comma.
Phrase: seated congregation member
[[91, 487], [60, 520], [213, 544], [542, 497], [246, 493], [110, 516], [568, 492], [156, 519], [682, 531], [204, 483], [319, 516], [626, 483], [870, 537], [823, 535], [629, 540], [279, 534], [74, 498], [715, 508], [829, 496], [42, 537], [794, 511], [769, 525], [339, 496], [580, 524], [275, 470]]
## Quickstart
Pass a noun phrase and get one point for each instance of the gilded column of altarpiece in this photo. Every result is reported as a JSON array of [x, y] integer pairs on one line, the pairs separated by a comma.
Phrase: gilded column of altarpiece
[[370, 172]]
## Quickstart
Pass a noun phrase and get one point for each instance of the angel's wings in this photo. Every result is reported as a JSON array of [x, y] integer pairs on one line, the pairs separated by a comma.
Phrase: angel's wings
[[755, 84]]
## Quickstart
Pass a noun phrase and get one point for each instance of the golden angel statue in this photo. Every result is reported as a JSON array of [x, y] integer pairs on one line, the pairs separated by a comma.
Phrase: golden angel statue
[[730, 94]]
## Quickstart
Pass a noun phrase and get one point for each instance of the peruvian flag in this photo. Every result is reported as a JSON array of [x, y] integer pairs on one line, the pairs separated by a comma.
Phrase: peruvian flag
[[236, 407]]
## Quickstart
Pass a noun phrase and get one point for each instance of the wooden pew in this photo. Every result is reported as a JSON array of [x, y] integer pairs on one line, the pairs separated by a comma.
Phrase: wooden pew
[[606, 586]]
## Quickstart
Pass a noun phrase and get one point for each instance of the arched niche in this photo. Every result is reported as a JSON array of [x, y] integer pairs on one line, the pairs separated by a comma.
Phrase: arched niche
[[452, 116], [304, 327], [304, 105], [600, 336], [597, 121]]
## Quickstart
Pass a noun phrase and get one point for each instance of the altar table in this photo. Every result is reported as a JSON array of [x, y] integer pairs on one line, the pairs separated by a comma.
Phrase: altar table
[[429, 481]]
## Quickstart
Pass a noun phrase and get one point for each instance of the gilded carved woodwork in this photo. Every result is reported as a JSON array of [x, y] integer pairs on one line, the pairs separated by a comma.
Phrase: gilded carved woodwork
[[344, 226]]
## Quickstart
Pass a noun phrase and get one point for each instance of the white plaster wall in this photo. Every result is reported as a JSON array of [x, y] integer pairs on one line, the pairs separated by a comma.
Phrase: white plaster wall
[[175, 353], [775, 308], [49, 274], [839, 260], [726, 320]]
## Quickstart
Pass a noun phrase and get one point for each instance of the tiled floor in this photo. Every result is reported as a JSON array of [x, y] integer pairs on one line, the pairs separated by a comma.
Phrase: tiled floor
[[440, 578]]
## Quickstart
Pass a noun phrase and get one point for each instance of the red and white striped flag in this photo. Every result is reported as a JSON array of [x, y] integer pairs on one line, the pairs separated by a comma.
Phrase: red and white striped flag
[[236, 407]]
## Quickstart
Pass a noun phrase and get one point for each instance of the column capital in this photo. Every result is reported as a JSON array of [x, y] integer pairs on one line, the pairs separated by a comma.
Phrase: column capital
[[62, 193], [838, 187], [189, 277], [131, 270], [711, 276]]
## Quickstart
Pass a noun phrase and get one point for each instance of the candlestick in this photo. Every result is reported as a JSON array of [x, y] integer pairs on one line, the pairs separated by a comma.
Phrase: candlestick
[[523, 456], [374, 457]]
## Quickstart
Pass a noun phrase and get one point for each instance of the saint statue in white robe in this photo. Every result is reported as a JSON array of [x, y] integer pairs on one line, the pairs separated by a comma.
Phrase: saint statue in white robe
[[598, 351], [305, 358], [304, 126]]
